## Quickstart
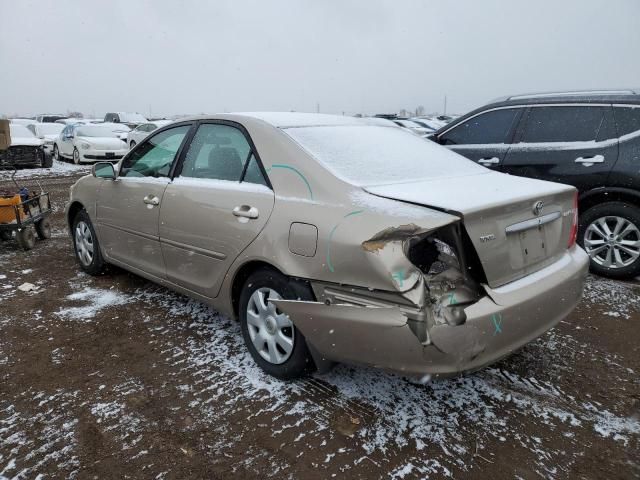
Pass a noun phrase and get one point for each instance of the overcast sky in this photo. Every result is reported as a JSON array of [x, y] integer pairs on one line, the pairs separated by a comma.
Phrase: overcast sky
[[368, 56]]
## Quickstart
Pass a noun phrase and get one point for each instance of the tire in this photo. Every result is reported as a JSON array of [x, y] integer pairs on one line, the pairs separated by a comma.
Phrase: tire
[[56, 152], [86, 246], [132, 144], [26, 238], [76, 156], [47, 160], [43, 228], [602, 229], [283, 364]]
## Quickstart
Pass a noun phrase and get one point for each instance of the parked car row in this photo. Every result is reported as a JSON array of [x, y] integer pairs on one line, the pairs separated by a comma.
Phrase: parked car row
[[78, 139]]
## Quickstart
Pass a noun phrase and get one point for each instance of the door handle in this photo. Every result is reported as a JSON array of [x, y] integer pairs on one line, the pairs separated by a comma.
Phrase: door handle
[[588, 161], [246, 211], [151, 200], [489, 160]]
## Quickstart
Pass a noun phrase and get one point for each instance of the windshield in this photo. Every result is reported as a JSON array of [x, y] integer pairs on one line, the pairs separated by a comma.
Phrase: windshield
[[50, 128], [369, 155], [94, 131], [20, 131]]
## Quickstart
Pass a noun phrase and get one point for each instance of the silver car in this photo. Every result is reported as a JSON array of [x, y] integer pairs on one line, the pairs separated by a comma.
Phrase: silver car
[[335, 240]]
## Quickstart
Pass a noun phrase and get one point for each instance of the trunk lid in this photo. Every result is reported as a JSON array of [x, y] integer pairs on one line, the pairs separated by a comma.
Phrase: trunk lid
[[517, 225]]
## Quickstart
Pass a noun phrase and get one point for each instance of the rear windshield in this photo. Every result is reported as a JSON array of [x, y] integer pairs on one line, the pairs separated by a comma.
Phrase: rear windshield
[[370, 155]]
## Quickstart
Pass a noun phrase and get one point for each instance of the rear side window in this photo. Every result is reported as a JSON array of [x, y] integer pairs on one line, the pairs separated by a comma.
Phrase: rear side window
[[220, 152], [627, 119], [563, 124], [486, 128]]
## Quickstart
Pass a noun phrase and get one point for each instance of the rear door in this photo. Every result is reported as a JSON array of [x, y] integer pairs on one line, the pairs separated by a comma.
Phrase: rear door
[[128, 208], [484, 138], [573, 144], [214, 208]]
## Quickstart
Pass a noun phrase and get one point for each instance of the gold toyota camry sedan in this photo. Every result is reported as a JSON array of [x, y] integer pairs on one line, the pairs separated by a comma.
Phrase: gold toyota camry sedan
[[335, 239]]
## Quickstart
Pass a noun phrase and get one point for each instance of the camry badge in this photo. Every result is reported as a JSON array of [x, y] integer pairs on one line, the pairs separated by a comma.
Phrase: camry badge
[[487, 238], [537, 207]]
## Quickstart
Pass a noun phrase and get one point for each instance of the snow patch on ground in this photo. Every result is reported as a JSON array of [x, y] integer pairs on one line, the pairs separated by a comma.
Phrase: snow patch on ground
[[621, 299], [95, 299], [58, 169]]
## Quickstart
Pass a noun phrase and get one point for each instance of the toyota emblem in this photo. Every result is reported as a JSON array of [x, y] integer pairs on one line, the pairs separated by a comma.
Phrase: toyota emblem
[[537, 207]]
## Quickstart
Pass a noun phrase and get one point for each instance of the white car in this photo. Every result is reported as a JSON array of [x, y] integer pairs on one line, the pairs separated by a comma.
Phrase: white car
[[413, 126], [48, 133], [90, 143], [73, 121], [128, 118], [139, 133], [25, 149], [22, 121]]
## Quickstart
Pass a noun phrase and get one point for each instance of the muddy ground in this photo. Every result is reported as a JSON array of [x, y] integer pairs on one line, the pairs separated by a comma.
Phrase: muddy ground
[[115, 377]]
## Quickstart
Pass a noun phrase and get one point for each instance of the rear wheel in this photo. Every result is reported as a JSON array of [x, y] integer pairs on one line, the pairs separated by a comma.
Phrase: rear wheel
[[86, 245], [47, 160], [26, 238], [43, 228], [270, 336], [610, 234]]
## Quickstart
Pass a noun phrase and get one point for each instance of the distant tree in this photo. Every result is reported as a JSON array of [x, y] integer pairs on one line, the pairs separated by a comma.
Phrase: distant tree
[[403, 112], [74, 114], [419, 111]]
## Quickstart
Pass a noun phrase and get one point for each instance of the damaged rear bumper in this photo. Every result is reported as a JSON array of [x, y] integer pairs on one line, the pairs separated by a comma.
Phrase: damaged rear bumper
[[383, 335]]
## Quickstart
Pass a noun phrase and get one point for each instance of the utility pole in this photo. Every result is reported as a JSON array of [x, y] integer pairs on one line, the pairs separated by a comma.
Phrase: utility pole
[[445, 105], [317, 107]]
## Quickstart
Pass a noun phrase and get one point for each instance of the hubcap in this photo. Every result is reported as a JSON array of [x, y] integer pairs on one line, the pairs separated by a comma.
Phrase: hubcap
[[613, 242], [270, 330], [76, 156], [84, 243]]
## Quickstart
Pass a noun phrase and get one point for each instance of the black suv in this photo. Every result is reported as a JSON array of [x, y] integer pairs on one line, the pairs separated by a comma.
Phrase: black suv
[[590, 140]]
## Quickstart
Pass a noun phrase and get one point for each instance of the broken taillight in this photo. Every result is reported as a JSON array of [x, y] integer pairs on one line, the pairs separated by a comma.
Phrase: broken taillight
[[573, 233]]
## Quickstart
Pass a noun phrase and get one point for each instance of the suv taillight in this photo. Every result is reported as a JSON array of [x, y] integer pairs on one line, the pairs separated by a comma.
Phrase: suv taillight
[[573, 233]]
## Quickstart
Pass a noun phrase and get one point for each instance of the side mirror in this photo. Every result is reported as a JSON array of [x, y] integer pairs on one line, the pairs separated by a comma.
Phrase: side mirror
[[103, 170]]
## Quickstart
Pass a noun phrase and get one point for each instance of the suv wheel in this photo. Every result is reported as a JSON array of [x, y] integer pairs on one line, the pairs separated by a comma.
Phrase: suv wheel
[[610, 234], [274, 343]]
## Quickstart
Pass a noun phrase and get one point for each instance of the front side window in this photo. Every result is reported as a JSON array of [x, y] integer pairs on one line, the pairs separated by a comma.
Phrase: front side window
[[216, 152], [153, 158], [563, 124], [628, 119], [486, 128]]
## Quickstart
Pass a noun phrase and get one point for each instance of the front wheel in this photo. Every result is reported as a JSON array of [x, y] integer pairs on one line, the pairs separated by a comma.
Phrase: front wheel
[[76, 156], [26, 238], [270, 336], [56, 153], [610, 234], [86, 246]]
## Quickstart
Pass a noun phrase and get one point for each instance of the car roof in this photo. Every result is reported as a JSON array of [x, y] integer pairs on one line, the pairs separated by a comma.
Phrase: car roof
[[583, 96], [287, 119]]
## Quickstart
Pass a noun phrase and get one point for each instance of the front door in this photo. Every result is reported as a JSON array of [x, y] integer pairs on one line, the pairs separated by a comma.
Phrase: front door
[[66, 141], [128, 208], [213, 209], [483, 138], [573, 144]]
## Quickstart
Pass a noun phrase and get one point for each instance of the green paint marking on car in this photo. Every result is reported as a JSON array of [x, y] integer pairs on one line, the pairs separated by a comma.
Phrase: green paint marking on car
[[333, 230], [294, 169], [399, 277], [496, 319]]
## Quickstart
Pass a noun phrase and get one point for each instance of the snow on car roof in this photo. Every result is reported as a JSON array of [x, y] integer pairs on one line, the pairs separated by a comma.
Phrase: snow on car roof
[[299, 119]]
